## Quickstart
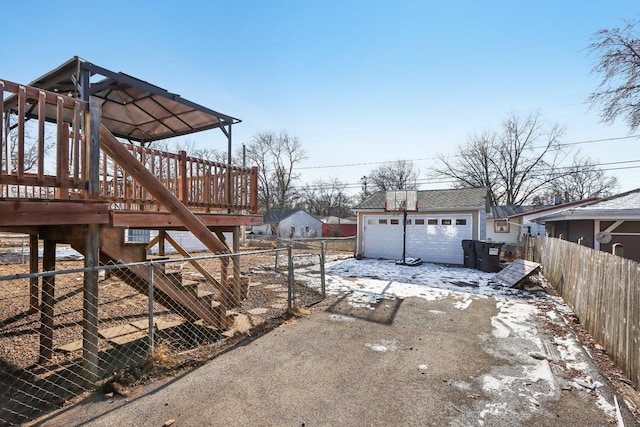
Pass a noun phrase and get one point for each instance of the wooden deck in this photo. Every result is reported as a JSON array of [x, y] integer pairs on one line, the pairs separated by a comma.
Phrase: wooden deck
[[220, 195], [65, 178]]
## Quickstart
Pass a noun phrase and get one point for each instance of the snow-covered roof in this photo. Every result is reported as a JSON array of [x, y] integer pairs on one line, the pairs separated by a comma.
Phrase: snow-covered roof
[[621, 206]]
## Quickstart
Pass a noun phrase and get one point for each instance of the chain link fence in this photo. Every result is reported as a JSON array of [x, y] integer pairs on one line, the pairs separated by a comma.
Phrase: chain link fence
[[154, 317]]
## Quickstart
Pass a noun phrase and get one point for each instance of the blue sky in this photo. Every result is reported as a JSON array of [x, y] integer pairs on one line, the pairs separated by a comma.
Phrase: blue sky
[[359, 82]]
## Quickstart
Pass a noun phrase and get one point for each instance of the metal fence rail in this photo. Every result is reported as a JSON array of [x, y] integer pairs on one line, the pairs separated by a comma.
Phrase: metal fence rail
[[146, 328]]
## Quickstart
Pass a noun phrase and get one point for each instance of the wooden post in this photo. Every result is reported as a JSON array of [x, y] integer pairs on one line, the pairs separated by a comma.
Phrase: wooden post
[[48, 299], [225, 292], [183, 190], [91, 256], [161, 238], [235, 259], [34, 287], [253, 188]]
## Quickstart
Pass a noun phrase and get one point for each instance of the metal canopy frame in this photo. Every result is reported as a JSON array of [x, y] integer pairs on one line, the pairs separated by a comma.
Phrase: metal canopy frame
[[132, 109]]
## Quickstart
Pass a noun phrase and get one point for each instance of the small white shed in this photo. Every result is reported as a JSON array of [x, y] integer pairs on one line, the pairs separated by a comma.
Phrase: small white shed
[[290, 224]]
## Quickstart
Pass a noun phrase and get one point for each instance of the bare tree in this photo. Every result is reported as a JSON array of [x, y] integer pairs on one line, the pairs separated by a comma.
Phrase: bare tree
[[326, 198], [618, 60], [582, 180], [30, 147], [397, 175], [276, 156], [514, 163]]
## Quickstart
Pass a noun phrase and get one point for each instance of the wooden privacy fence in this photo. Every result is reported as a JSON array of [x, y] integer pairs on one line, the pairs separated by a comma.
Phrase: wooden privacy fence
[[603, 290]]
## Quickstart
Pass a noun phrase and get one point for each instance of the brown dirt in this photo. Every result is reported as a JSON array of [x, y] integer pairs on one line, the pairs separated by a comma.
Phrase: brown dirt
[[119, 304]]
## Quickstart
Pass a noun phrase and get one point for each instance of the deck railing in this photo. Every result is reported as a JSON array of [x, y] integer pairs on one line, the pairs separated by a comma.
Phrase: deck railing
[[61, 121], [201, 184], [23, 157]]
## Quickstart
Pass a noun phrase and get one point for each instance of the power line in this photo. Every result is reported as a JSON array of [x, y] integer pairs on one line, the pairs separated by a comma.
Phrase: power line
[[443, 179], [566, 144]]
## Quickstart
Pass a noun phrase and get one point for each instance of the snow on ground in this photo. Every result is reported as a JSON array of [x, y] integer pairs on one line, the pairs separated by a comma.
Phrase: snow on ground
[[515, 331]]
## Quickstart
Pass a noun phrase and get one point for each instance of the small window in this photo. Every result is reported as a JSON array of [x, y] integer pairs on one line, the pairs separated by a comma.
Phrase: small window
[[432, 221], [408, 222], [382, 221], [395, 222], [371, 221], [446, 222], [419, 221], [500, 226], [461, 222]]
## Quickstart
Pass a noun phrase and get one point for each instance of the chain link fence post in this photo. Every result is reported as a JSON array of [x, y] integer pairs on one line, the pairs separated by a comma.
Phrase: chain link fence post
[[323, 253], [290, 278], [151, 338]]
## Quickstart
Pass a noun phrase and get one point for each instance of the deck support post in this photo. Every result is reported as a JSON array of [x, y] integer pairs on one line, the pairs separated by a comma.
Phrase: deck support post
[[235, 259], [161, 238], [47, 301], [34, 287], [91, 256]]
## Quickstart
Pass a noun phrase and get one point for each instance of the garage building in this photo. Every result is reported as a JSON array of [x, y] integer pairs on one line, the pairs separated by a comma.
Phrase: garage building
[[435, 227]]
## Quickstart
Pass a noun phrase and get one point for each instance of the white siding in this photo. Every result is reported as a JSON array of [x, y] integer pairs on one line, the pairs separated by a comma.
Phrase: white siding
[[431, 237], [300, 224]]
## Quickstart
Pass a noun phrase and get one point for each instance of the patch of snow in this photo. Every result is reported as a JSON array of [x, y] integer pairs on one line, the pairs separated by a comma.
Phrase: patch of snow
[[383, 346]]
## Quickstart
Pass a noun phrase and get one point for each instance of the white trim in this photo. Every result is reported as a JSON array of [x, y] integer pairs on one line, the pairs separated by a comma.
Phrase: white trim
[[613, 226]]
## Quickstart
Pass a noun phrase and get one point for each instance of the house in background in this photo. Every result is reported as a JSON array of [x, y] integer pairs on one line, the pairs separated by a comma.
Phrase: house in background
[[290, 224], [600, 224], [434, 231], [333, 226], [507, 224]]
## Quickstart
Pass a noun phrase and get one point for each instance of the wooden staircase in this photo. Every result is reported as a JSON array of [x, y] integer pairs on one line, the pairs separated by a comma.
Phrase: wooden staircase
[[170, 289]]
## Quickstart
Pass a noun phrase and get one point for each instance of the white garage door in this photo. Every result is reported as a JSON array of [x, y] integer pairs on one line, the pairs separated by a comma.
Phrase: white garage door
[[433, 238]]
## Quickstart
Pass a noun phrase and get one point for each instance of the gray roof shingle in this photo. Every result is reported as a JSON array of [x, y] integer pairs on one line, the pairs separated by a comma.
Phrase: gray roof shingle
[[435, 199]]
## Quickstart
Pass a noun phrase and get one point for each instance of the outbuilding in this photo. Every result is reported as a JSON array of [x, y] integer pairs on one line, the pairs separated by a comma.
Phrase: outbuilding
[[431, 226], [290, 224]]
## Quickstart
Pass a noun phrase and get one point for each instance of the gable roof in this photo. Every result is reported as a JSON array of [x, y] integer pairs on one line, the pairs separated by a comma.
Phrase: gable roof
[[539, 211], [434, 199], [621, 206], [132, 109], [275, 216], [503, 212]]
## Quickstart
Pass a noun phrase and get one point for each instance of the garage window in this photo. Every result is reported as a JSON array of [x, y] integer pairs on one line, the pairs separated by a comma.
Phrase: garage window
[[371, 221], [408, 222], [419, 221], [461, 222], [446, 222], [382, 221], [432, 221], [395, 222]]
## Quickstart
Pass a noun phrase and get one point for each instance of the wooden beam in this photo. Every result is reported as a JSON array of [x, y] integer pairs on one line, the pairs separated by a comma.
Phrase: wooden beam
[[34, 213], [90, 307], [47, 302], [167, 220], [194, 263], [34, 285], [138, 172]]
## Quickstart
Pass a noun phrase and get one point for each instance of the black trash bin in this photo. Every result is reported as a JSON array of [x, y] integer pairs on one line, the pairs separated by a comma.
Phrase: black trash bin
[[469, 250], [488, 256]]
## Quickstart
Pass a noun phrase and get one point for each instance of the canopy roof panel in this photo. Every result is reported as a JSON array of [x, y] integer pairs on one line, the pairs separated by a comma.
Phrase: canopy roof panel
[[131, 108]]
